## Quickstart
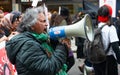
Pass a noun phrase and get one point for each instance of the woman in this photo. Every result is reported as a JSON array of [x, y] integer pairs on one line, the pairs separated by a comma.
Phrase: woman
[[30, 51], [2, 33]]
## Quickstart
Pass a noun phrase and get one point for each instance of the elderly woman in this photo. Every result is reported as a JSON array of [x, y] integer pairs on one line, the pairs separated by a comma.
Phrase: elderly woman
[[30, 51]]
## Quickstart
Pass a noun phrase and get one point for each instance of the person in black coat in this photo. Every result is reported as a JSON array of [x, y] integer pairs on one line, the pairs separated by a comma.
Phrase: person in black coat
[[117, 25]]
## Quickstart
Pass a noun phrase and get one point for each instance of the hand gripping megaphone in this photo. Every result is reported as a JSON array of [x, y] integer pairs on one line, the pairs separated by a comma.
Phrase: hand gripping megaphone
[[83, 28]]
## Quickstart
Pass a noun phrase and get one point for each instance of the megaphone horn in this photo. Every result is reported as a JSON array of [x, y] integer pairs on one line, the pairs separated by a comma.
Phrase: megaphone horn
[[83, 28]]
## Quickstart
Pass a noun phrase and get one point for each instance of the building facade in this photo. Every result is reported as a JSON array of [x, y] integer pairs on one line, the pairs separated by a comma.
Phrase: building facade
[[53, 5], [6, 5]]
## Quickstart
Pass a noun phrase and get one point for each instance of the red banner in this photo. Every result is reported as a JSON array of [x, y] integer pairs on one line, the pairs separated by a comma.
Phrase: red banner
[[6, 68]]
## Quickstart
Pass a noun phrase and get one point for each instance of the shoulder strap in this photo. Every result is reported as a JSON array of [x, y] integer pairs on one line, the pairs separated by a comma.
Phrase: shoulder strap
[[98, 30], [107, 49], [108, 45], [102, 26]]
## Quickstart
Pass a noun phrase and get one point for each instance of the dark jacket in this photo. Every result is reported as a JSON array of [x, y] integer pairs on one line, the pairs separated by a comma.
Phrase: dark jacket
[[30, 58], [117, 25]]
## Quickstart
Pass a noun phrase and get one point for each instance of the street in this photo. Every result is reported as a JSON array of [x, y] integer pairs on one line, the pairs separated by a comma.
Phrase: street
[[74, 70]]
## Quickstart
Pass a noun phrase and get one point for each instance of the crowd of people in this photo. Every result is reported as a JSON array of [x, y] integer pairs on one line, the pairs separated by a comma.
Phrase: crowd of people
[[33, 52]]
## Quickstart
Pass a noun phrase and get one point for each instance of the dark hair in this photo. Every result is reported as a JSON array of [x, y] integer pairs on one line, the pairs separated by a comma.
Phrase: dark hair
[[105, 14], [52, 21], [64, 11], [15, 16], [103, 11]]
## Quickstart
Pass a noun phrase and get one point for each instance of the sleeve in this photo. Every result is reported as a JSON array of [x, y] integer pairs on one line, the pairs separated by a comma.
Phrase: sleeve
[[35, 59], [63, 22], [116, 49], [113, 35]]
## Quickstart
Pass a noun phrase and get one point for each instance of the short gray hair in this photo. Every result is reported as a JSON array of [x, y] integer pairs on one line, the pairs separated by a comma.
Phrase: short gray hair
[[29, 19]]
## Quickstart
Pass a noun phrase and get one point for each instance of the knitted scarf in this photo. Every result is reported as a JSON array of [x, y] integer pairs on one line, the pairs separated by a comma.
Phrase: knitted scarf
[[44, 38]]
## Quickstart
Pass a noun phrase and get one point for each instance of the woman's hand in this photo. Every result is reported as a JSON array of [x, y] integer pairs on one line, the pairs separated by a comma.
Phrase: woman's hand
[[12, 35], [4, 38], [67, 42]]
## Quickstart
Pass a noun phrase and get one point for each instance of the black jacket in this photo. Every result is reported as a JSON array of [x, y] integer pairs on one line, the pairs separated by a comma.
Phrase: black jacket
[[117, 25], [30, 58]]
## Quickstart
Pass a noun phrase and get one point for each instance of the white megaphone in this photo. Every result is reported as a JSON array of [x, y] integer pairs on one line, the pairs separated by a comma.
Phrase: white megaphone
[[83, 28]]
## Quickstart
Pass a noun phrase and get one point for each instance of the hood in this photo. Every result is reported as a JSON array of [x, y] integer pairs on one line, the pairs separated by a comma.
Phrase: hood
[[14, 45]]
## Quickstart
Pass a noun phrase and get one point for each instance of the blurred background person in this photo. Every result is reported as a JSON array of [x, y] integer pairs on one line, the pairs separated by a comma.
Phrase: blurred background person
[[79, 42], [16, 19], [117, 25], [2, 33], [62, 19], [1, 14], [10, 23]]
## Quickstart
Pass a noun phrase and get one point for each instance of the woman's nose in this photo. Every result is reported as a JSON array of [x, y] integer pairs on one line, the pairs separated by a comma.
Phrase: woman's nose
[[46, 24]]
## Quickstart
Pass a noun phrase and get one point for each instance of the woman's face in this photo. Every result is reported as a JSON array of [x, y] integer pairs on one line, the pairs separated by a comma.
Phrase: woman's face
[[1, 19], [15, 24], [40, 25], [1, 23]]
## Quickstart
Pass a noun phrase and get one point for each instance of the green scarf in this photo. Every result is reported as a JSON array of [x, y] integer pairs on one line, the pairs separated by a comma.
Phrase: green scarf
[[44, 38]]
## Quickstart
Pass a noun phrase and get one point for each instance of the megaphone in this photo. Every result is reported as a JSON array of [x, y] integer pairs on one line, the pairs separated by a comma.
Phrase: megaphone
[[83, 28]]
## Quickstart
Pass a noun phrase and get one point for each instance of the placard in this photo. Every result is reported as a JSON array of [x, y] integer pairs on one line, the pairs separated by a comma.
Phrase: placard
[[112, 3]]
